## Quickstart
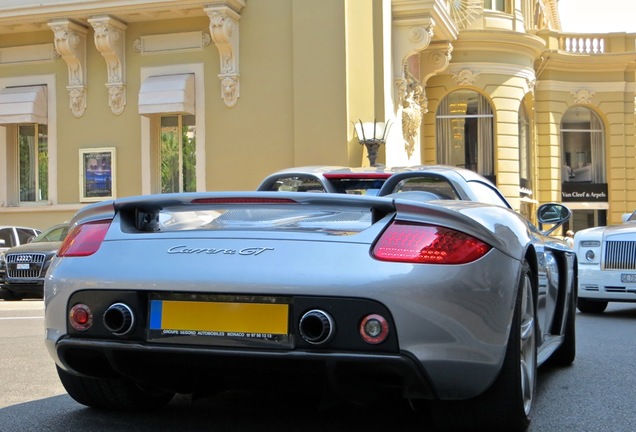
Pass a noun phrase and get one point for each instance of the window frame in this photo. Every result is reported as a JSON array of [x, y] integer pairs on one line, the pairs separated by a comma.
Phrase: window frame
[[150, 126], [456, 139], [9, 180]]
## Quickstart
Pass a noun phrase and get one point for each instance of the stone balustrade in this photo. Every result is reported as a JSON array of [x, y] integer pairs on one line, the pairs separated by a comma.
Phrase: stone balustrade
[[589, 43], [582, 44]]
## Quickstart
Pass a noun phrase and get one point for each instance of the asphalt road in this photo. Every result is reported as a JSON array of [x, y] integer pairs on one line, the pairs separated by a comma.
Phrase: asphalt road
[[595, 394]]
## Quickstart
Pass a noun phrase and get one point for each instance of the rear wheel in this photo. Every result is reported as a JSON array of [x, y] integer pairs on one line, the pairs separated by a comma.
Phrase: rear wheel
[[505, 406], [591, 306], [112, 393]]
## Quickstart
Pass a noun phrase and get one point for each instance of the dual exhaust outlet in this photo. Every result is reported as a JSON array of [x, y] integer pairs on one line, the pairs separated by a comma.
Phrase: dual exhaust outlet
[[119, 319], [316, 326]]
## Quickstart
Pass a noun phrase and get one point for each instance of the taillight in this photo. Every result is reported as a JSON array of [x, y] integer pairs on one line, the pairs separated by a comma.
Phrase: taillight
[[84, 240], [427, 244], [247, 200]]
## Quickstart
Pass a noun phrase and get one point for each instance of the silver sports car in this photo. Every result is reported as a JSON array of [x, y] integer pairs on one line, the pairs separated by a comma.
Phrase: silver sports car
[[435, 290]]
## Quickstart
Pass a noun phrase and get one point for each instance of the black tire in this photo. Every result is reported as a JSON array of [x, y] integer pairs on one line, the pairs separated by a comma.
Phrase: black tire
[[507, 404], [9, 295], [591, 306], [565, 354], [112, 393]]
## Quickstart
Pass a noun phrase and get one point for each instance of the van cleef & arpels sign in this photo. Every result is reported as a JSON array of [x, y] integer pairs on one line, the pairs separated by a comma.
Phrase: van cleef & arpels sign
[[583, 192]]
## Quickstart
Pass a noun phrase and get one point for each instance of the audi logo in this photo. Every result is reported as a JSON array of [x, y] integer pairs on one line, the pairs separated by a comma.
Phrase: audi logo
[[23, 258]]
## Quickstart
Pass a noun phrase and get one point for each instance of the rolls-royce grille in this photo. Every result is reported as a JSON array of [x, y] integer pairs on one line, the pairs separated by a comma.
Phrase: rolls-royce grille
[[620, 255], [25, 266]]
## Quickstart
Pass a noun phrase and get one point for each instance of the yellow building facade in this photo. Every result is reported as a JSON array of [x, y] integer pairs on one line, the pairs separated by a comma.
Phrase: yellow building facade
[[109, 99]]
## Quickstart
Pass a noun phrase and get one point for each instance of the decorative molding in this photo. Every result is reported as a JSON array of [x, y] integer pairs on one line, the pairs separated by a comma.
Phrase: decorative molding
[[171, 42], [465, 77], [464, 12], [412, 34], [413, 104], [436, 59], [41, 53], [109, 38], [509, 70], [70, 43], [224, 28], [583, 96]]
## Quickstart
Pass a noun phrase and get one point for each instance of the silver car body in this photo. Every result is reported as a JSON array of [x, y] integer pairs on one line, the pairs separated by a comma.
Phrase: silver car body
[[607, 264], [448, 324]]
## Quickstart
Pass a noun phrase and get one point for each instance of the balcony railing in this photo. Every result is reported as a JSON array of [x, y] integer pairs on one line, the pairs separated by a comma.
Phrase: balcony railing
[[582, 44], [589, 43]]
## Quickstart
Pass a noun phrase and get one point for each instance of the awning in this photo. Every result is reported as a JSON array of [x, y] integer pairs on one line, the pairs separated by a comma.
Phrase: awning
[[586, 205], [23, 105], [167, 94]]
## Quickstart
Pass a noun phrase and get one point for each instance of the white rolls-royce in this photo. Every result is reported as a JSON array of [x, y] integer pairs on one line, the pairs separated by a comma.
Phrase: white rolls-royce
[[607, 265]]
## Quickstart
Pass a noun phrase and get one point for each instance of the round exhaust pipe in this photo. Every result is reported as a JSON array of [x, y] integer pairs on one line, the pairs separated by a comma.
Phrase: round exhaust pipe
[[316, 327], [119, 319]]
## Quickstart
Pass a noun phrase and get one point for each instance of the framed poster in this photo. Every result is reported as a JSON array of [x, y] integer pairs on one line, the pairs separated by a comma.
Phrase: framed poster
[[97, 174]]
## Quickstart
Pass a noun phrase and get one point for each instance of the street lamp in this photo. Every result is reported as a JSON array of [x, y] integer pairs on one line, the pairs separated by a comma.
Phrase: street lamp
[[372, 135]]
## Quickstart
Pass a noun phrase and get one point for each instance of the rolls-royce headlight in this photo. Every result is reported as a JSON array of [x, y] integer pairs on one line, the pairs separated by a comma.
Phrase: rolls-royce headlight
[[590, 243], [589, 255]]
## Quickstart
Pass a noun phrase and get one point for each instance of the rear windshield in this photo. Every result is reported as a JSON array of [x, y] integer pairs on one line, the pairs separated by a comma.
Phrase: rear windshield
[[352, 186], [436, 185], [334, 222]]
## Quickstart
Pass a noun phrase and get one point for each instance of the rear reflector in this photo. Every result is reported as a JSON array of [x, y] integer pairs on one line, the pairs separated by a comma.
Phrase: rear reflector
[[80, 317], [427, 244], [84, 240]]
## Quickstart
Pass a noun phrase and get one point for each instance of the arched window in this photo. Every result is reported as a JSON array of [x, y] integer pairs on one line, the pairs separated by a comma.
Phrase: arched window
[[583, 147], [465, 132]]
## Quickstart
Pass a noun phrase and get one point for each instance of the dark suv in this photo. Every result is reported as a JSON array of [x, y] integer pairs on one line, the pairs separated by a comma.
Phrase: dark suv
[[26, 265]]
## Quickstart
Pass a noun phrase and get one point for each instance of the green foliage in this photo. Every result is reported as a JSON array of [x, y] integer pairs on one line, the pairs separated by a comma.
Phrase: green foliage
[[178, 156]]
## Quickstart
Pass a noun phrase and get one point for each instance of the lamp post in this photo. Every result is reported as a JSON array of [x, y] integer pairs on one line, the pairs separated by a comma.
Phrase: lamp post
[[372, 135]]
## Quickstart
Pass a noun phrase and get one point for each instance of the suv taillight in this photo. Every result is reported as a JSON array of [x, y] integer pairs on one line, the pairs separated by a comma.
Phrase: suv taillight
[[84, 240], [427, 244]]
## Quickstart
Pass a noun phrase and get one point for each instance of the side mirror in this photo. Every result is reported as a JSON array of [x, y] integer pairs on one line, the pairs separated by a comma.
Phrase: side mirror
[[552, 214], [2, 243]]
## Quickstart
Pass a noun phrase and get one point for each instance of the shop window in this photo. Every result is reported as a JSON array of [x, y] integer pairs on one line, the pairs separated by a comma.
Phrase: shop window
[[583, 148], [23, 123], [33, 162], [464, 129]]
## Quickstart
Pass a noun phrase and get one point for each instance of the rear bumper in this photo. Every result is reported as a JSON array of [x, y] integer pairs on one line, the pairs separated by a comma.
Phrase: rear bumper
[[191, 369]]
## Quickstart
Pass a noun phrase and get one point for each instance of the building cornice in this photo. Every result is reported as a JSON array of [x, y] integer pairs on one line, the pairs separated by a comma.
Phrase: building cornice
[[32, 15], [525, 44], [492, 68], [588, 63]]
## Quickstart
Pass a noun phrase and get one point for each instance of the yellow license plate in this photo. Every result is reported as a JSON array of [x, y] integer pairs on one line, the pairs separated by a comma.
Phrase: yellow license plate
[[219, 319]]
